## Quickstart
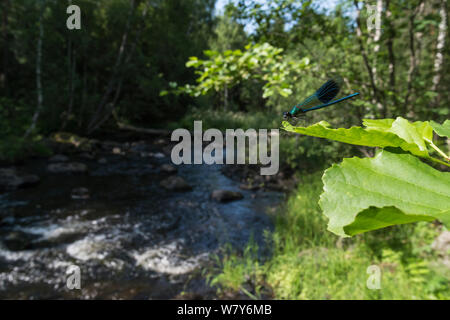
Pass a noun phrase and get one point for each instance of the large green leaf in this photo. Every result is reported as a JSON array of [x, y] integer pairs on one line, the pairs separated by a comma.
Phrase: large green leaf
[[374, 136], [442, 130], [367, 194], [399, 133]]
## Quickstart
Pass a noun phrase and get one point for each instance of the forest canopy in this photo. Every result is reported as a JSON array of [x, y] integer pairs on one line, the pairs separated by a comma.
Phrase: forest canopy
[[128, 51]]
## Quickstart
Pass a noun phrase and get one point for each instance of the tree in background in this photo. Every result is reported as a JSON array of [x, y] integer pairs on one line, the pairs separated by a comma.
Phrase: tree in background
[[128, 51]]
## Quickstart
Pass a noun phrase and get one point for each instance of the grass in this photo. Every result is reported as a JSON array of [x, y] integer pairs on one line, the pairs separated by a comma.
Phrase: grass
[[309, 262]]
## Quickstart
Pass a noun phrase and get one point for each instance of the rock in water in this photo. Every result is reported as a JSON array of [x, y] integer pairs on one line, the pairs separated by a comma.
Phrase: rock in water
[[80, 193], [168, 168], [11, 180], [71, 167], [175, 183], [116, 150], [59, 158], [158, 155], [226, 195], [18, 240]]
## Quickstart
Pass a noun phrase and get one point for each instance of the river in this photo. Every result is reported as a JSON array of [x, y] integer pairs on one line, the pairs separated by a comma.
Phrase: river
[[131, 238]]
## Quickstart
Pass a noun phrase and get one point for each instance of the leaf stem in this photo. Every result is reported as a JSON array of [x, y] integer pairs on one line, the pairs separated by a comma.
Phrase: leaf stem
[[439, 161], [437, 149]]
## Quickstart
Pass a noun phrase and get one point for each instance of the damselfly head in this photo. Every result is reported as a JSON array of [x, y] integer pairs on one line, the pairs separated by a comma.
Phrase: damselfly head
[[286, 115]]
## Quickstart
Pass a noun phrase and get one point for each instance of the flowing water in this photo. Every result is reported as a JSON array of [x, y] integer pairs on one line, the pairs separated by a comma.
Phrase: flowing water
[[131, 239]]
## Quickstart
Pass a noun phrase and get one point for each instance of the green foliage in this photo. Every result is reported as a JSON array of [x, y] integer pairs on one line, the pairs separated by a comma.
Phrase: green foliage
[[443, 130], [308, 263], [261, 62], [13, 117], [220, 119], [399, 133], [79, 65], [367, 194], [13, 149]]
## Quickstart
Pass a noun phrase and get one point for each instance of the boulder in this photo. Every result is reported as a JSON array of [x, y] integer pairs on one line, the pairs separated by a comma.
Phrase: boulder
[[80, 194], [226, 195], [144, 154], [18, 240], [87, 156], [158, 155], [110, 145], [10, 179], [168, 168], [59, 158], [175, 183], [67, 167]]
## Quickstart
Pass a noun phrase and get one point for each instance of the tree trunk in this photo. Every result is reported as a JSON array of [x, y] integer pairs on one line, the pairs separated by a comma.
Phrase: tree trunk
[[225, 98], [112, 106], [71, 57], [93, 125], [71, 68], [359, 34], [40, 97], [391, 57], [439, 58], [413, 60], [376, 39], [4, 75]]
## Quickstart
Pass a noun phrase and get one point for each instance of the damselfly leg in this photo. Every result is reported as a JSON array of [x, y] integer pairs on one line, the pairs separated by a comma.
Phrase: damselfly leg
[[299, 120]]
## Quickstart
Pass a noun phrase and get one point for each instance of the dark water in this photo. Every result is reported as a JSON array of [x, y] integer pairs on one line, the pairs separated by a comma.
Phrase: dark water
[[131, 238]]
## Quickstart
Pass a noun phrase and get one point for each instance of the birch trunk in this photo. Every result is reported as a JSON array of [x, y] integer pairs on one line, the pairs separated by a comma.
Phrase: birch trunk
[[376, 40], [40, 96], [439, 58], [359, 34]]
